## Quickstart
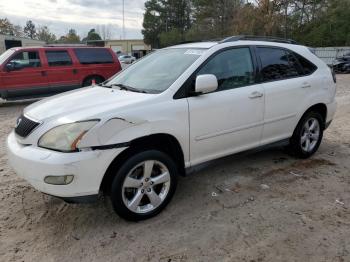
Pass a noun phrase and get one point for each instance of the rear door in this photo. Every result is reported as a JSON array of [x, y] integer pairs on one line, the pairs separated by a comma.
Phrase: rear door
[[61, 71], [285, 92], [28, 77]]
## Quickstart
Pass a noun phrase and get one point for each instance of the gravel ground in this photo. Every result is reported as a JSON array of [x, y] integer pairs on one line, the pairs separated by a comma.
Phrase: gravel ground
[[257, 206]]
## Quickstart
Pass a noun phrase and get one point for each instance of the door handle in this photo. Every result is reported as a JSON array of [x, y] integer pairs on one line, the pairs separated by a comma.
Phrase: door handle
[[305, 85], [43, 73], [256, 94], [75, 71]]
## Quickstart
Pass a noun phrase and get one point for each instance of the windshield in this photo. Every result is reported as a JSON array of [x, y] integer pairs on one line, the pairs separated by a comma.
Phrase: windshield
[[158, 71], [6, 55]]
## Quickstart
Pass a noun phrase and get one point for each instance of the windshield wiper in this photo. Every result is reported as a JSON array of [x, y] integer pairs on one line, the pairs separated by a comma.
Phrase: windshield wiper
[[128, 88]]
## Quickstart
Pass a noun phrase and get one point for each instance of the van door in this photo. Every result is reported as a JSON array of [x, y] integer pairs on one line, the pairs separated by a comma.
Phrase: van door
[[230, 119], [25, 75], [61, 72]]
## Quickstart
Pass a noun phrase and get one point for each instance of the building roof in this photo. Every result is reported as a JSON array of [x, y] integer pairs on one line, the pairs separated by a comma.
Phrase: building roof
[[22, 38]]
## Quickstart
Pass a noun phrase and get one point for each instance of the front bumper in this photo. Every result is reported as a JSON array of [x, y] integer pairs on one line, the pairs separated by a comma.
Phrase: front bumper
[[34, 164]]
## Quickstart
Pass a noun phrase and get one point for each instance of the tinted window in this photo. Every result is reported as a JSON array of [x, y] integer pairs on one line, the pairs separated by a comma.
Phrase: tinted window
[[93, 55], [26, 59], [233, 68], [276, 64], [58, 58], [307, 66]]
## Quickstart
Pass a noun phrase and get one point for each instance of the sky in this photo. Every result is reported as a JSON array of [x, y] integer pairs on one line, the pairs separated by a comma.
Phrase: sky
[[82, 15]]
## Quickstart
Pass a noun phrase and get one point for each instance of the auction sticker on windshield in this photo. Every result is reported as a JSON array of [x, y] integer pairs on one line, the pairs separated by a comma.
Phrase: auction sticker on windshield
[[194, 52]]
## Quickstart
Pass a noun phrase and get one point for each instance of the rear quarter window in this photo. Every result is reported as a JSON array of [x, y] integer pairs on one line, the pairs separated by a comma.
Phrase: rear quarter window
[[307, 66], [93, 56]]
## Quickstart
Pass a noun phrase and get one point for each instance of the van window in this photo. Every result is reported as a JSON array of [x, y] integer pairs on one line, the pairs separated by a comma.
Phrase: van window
[[276, 64], [26, 59], [58, 58], [93, 56]]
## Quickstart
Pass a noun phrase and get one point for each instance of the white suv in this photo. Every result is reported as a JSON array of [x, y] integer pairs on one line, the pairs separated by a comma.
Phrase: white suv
[[178, 107]]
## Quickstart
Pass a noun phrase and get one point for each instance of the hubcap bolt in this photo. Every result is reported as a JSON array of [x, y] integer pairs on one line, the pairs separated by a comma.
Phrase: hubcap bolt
[[152, 182], [148, 190], [146, 179], [142, 191]]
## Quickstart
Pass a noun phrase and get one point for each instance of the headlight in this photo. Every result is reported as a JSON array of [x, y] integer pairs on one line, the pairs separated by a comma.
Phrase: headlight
[[66, 137]]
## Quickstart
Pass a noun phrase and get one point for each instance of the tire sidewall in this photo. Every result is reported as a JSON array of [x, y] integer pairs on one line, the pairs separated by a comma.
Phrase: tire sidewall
[[296, 139], [117, 184]]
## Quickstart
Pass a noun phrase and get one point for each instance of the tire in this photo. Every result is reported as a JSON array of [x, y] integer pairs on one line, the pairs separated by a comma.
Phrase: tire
[[306, 138], [133, 187], [88, 81]]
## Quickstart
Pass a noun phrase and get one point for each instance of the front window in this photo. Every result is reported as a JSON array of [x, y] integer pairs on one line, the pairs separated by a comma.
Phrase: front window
[[4, 56], [26, 59], [158, 71]]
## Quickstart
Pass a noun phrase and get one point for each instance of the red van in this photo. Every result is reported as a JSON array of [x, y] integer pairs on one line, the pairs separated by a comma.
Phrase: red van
[[42, 71]]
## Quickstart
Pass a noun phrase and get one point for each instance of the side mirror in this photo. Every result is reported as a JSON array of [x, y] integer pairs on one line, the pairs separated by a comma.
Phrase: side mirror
[[206, 84], [10, 67]]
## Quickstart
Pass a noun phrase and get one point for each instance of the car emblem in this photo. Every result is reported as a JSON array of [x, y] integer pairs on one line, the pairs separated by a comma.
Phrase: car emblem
[[19, 120]]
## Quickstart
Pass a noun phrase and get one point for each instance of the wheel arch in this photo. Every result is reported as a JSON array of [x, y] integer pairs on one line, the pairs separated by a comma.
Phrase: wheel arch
[[92, 76], [163, 142], [320, 108]]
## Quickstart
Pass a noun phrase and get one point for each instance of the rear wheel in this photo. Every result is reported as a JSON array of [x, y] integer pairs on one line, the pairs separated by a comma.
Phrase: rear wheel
[[88, 81], [144, 185], [307, 136]]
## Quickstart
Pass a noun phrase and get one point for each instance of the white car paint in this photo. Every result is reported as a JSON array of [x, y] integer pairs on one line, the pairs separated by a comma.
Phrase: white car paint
[[207, 126]]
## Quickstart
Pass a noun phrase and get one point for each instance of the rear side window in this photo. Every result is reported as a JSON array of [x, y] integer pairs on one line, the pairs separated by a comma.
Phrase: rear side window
[[277, 64], [58, 58], [233, 68], [93, 56], [307, 66]]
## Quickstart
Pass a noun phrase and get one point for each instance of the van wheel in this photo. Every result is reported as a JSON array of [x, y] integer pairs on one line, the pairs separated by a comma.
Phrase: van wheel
[[88, 81], [307, 136], [144, 185]]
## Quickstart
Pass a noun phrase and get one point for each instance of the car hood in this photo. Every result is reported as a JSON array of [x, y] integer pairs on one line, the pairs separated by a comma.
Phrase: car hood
[[83, 104]]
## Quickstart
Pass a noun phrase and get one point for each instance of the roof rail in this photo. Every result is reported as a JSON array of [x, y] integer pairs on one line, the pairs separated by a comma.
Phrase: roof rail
[[258, 38], [64, 45]]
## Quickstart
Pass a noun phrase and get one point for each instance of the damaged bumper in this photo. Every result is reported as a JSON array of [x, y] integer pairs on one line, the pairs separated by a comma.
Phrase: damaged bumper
[[34, 164]]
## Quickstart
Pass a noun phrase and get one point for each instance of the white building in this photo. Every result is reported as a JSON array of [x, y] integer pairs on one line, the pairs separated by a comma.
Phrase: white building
[[9, 41]]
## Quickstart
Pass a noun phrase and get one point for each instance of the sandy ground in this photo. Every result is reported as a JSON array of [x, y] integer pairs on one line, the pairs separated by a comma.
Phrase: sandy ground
[[257, 206]]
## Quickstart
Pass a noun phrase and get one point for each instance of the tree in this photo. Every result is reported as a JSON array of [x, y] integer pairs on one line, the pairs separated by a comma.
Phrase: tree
[[72, 37], [92, 35], [153, 23], [30, 30], [44, 34], [164, 17], [7, 28], [104, 31], [310, 22]]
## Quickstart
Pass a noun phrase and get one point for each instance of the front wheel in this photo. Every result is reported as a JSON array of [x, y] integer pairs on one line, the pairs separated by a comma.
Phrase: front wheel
[[144, 185], [307, 136]]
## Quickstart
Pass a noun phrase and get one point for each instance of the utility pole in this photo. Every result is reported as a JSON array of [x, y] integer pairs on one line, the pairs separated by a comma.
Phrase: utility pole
[[123, 21]]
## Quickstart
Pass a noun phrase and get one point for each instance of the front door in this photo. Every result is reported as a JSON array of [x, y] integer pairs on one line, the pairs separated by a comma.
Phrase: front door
[[28, 77], [230, 119]]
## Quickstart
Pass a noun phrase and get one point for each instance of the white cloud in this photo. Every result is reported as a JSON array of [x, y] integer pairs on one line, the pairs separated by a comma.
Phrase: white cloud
[[82, 15]]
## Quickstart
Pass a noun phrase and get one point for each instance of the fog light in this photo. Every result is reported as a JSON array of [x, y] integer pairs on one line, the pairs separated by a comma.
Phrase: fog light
[[59, 180]]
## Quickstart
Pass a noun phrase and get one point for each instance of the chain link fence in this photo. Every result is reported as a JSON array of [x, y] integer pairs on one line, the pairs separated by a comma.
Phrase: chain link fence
[[329, 54]]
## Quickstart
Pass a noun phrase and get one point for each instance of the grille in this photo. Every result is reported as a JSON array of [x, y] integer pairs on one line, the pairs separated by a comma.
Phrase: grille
[[25, 126]]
